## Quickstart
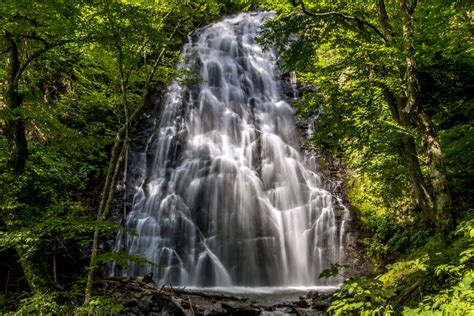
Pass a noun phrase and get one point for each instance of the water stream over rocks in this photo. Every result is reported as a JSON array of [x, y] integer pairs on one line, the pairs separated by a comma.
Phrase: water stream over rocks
[[226, 198]]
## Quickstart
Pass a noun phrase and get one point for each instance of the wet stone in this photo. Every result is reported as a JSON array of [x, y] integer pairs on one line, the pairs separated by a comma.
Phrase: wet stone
[[241, 309]]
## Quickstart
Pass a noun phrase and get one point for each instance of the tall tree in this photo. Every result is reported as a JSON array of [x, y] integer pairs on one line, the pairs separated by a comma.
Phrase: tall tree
[[379, 47], [27, 32], [73, 72], [141, 37]]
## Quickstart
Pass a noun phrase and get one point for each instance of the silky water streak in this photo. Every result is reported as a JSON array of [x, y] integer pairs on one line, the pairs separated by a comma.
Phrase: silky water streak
[[227, 198]]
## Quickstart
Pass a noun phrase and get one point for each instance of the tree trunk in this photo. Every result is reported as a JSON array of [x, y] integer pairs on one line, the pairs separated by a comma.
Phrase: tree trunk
[[442, 205], [408, 146], [35, 272], [14, 125], [33, 268], [384, 21], [120, 152], [437, 170], [92, 266], [410, 157], [104, 208]]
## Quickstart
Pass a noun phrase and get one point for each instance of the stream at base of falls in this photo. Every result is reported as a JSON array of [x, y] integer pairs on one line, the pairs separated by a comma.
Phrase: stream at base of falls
[[271, 297], [141, 298], [225, 198]]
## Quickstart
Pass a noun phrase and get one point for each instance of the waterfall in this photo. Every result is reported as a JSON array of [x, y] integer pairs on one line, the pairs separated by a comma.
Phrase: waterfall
[[227, 198]]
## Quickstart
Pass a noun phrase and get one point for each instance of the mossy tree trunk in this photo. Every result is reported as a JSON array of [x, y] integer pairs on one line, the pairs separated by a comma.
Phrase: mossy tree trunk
[[396, 31], [14, 125], [34, 269], [441, 206]]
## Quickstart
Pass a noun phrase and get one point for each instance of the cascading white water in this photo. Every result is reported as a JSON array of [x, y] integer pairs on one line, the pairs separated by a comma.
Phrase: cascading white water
[[227, 199]]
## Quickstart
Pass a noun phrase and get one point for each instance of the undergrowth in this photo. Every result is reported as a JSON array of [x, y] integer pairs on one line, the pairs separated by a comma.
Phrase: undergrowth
[[436, 279]]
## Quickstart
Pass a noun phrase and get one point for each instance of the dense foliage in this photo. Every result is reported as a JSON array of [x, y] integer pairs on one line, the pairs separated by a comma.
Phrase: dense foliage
[[393, 83], [75, 77]]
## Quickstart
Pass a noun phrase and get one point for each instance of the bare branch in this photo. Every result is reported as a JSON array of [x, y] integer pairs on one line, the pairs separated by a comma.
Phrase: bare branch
[[129, 73], [142, 49], [339, 14], [156, 63], [162, 52]]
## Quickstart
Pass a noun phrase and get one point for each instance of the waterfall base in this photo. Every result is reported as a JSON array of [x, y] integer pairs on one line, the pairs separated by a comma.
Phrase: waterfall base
[[140, 298]]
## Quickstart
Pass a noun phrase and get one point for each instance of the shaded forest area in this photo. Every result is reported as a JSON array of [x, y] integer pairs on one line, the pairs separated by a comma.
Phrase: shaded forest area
[[392, 81]]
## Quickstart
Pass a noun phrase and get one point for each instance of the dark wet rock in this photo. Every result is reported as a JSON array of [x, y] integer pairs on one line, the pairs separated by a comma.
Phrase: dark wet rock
[[241, 308], [139, 298], [319, 301], [148, 278], [334, 176]]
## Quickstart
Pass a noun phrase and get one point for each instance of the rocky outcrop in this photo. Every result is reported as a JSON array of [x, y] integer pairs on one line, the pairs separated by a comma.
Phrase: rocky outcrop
[[335, 175], [141, 298]]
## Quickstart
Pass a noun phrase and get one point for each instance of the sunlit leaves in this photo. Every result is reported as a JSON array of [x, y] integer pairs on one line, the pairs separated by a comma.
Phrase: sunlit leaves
[[457, 300], [363, 297], [351, 68], [333, 271], [92, 63], [440, 282]]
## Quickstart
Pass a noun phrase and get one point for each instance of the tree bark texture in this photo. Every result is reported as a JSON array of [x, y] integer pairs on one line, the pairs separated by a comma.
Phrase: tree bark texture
[[442, 204], [35, 272], [384, 21], [437, 170], [14, 125], [432, 193], [410, 157]]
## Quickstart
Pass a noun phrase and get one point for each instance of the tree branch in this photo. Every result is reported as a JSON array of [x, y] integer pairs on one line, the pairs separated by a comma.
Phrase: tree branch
[[130, 70], [35, 37], [39, 53], [142, 49], [339, 14], [28, 61], [156, 63], [412, 8], [32, 21], [5, 51], [159, 56], [383, 20]]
